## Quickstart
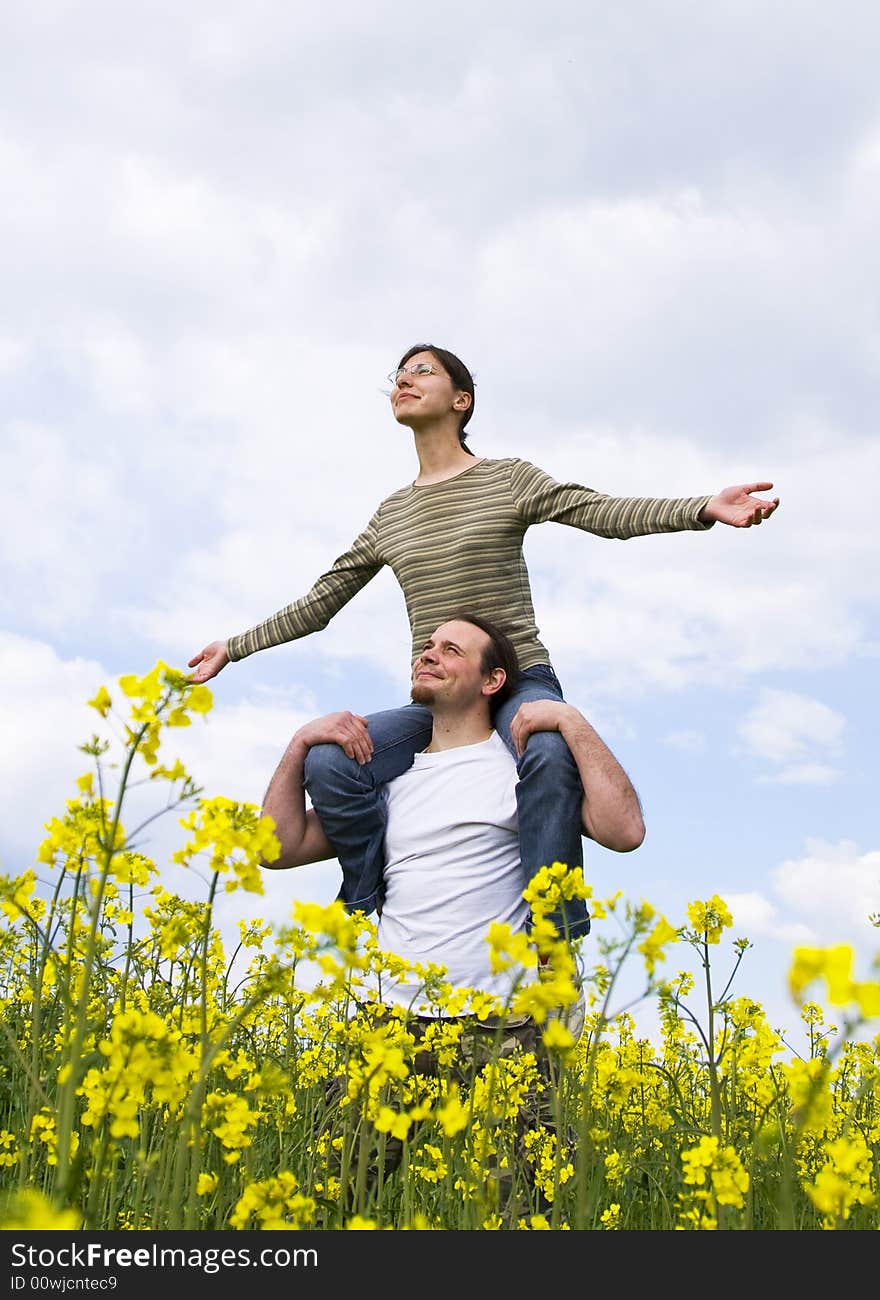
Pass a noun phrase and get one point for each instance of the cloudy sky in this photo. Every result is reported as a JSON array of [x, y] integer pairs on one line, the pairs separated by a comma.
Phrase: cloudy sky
[[651, 231]]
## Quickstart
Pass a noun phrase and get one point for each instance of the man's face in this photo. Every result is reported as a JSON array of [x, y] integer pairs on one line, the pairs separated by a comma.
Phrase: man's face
[[448, 673]]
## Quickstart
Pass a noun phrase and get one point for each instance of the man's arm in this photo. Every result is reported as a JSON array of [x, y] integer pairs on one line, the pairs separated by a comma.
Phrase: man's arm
[[298, 829], [610, 809]]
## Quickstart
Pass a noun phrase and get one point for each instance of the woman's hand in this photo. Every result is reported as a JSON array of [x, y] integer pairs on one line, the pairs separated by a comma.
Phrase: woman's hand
[[736, 506], [209, 662]]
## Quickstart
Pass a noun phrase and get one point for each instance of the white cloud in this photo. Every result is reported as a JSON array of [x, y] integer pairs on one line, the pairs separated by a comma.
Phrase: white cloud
[[785, 726], [12, 354], [187, 226], [121, 370], [835, 886], [45, 720], [69, 526], [755, 916]]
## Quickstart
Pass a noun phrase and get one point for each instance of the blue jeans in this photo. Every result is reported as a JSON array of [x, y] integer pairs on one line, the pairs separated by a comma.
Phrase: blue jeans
[[349, 803]]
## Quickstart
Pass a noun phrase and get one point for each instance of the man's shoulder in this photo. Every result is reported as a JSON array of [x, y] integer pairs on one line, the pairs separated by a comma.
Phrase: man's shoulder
[[491, 754], [500, 750]]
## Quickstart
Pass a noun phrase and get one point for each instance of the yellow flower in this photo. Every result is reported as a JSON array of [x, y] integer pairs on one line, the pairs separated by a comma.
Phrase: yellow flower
[[868, 998], [200, 699], [101, 702], [393, 1122], [18, 897], [175, 773], [718, 1170], [86, 783], [653, 945], [709, 919], [845, 1179], [147, 688], [275, 1203], [434, 1169], [557, 1038], [29, 1210], [237, 838], [483, 1005], [9, 1153], [507, 948], [452, 1115], [835, 964], [178, 717], [551, 885], [229, 1117]]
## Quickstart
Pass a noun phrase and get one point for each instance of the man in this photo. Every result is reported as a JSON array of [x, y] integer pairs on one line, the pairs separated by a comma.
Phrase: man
[[452, 869], [452, 860]]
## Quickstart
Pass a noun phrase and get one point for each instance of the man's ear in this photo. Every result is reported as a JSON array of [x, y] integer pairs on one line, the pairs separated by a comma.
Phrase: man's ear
[[493, 683]]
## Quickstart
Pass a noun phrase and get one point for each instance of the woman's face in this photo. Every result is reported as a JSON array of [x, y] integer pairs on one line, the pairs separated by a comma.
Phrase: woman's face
[[423, 391]]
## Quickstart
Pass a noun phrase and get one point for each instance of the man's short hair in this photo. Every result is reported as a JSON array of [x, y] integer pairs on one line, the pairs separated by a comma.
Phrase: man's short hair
[[499, 653]]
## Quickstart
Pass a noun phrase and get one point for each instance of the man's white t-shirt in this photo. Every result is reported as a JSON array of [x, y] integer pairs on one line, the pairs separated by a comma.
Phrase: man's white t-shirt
[[452, 866]]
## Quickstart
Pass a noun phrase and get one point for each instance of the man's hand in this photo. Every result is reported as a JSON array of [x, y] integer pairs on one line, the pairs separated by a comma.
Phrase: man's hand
[[539, 715], [349, 730], [209, 662], [736, 506]]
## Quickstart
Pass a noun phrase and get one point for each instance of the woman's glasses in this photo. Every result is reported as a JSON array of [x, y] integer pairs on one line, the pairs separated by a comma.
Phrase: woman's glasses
[[419, 368]]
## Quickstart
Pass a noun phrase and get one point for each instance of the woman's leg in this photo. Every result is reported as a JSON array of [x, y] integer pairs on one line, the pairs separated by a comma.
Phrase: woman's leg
[[351, 805], [548, 795]]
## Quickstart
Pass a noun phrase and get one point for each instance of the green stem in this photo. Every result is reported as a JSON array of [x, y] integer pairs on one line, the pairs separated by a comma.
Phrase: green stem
[[711, 1062], [73, 1062]]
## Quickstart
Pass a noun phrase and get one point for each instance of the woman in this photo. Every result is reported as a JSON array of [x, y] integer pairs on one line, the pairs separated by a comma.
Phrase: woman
[[453, 538]]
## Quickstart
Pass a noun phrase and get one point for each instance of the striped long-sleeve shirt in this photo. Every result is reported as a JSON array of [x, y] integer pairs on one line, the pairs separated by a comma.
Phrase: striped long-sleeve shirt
[[458, 545]]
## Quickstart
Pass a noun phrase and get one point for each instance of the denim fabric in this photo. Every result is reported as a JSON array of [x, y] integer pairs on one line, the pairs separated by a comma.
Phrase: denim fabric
[[548, 795], [349, 802], [351, 808]]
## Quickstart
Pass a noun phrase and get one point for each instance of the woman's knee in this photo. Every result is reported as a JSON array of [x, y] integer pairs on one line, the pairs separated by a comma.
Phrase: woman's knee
[[327, 767], [547, 751]]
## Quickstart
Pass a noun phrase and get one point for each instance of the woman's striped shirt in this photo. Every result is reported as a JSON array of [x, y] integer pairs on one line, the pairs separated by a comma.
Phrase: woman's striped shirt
[[458, 545]]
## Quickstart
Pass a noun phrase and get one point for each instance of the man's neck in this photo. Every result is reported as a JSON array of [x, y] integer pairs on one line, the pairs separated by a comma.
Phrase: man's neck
[[454, 732]]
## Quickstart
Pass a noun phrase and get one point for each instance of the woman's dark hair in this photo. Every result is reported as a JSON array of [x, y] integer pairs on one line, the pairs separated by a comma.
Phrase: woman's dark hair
[[457, 372], [499, 653]]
